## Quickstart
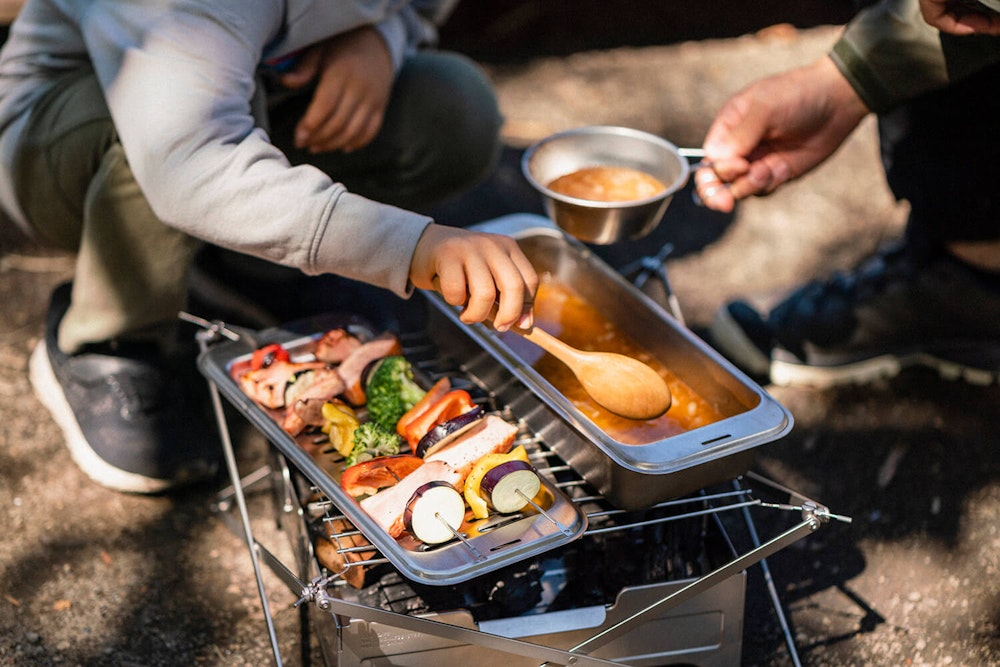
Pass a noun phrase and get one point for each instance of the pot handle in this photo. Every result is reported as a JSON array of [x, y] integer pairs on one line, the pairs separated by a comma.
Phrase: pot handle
[[695, 153], [692, 153]]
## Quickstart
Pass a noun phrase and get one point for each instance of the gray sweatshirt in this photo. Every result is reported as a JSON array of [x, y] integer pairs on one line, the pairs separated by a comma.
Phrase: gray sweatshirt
[[178, 76]]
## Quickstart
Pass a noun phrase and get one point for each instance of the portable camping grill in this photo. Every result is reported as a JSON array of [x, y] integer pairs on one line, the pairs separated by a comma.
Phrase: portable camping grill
[[612, 580]]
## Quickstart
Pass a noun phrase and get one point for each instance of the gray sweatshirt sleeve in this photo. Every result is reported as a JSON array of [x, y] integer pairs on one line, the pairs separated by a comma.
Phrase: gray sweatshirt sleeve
[[414, 25], [178, 86]]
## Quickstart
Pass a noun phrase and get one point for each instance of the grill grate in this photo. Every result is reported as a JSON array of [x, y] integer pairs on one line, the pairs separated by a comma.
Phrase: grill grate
[[676, 546]]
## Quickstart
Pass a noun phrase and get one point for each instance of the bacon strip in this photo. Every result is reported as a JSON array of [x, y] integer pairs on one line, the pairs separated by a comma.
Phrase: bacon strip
[[386, 507], [336, 345], [353, 367], [492, 435]]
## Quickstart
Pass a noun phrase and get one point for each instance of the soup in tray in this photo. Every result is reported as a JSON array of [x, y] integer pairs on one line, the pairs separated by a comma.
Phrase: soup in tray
[[562, 312]]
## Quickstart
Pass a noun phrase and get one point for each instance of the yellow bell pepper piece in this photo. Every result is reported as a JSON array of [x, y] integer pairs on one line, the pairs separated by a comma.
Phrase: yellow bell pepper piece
[[474, 481], [476, 503], [340, 424]]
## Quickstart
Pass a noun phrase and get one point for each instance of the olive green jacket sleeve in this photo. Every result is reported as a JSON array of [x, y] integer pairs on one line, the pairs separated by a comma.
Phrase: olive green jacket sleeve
[[890, 55]]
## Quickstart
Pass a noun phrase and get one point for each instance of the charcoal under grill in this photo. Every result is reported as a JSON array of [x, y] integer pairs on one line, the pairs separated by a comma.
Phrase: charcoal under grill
[[652, 585]]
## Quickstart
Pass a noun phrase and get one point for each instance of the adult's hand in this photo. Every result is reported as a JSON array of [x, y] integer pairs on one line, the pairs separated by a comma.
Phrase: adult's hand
[[353, 74], [776, 130], [475, 270], [961, 17]]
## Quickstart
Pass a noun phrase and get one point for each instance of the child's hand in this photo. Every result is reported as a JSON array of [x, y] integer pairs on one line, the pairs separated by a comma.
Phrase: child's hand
[[476, 270], [353, 76]]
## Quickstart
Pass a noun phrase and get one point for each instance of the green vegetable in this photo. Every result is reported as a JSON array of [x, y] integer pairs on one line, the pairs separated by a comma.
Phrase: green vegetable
[[391, 390], [372, 441]]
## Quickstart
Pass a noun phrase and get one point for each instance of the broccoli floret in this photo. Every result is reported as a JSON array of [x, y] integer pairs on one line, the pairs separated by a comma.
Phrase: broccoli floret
[[391, 390], [371, 441]]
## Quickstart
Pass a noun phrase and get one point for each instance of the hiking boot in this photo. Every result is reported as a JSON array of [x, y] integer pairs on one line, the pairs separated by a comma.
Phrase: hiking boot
[[899, 309], [131, 417]]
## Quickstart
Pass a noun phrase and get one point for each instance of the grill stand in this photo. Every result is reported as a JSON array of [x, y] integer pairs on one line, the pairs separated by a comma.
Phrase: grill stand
[[315, 590], [649, 275]]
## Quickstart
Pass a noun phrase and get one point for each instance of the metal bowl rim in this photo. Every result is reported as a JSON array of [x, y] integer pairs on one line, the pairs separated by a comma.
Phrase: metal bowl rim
[[670, 190]]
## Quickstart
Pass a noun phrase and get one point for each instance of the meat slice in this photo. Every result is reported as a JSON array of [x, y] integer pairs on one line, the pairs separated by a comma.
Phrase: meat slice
[[353, 367], [386, 507], [306, 408], [314, 382], [492, 435], [267, 385], [336, 345]]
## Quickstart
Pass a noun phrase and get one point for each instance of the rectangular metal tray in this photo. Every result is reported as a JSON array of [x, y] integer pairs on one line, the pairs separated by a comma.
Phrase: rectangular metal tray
[[507, 542], [630, 476]]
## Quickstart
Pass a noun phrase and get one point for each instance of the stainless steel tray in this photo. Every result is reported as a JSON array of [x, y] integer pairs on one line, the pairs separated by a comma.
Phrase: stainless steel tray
[[500, 543], [629, 475]]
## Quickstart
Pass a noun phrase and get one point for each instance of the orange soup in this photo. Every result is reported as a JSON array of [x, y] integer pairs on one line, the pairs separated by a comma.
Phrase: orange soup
[[562, 312], [608, 184]]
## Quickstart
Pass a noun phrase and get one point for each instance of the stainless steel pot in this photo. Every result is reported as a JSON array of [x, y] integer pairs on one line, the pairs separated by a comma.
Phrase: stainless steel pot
[[631, 476], [601, 222]]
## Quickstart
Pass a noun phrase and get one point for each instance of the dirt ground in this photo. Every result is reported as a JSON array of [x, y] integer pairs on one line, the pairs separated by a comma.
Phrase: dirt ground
[[93, 577]]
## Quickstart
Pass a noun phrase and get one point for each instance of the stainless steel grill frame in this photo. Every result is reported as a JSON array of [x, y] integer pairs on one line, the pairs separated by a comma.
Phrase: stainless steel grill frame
[[693, 620]]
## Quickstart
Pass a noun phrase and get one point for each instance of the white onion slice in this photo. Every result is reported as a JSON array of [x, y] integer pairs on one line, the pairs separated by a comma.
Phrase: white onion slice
[[510, 485], [431, 509]]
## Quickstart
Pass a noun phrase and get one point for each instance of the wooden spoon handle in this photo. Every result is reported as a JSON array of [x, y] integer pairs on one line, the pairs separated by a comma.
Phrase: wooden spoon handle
[[543, 339]]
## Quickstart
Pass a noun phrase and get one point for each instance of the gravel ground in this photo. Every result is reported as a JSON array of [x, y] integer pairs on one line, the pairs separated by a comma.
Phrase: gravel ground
[[92, 577]]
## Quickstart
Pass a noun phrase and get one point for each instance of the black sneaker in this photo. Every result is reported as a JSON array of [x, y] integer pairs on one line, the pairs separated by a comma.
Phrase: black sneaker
[[899, 309], [739, 332], [130, 417]]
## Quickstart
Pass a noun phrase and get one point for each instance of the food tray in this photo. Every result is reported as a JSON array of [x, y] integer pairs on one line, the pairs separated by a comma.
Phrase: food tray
[[631, 476], [503, 541]]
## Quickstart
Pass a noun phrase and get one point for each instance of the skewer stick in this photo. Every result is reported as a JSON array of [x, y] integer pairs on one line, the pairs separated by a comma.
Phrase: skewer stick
[[460, 536], [564, 529]]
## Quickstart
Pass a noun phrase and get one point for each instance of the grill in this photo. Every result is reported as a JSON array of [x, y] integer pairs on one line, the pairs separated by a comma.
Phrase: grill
[[606, 576]]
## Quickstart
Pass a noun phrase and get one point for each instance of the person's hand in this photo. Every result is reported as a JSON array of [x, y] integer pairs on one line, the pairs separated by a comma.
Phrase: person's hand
[[775, 130], [475, 271], [353, 75], [961, 17]]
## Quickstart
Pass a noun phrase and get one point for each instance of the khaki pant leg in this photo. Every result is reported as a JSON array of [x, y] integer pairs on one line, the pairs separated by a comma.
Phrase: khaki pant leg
[[78, 192], [131, 269]]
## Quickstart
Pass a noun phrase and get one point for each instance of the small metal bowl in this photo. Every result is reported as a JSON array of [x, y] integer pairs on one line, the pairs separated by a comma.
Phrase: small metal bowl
[[604, 222]]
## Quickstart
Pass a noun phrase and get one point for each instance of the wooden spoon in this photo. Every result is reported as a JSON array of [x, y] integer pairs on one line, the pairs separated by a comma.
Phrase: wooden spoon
[[620, 384]]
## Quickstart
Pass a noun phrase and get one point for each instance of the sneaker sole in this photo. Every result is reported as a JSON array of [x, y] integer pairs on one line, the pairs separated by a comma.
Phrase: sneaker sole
[[50, 393], [790, 374], [731, 340]]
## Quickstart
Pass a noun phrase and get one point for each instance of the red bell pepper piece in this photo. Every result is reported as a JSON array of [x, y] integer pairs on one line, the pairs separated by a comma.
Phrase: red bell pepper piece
[[267, 355], [449, 406], [433, 395], [367, 477]]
